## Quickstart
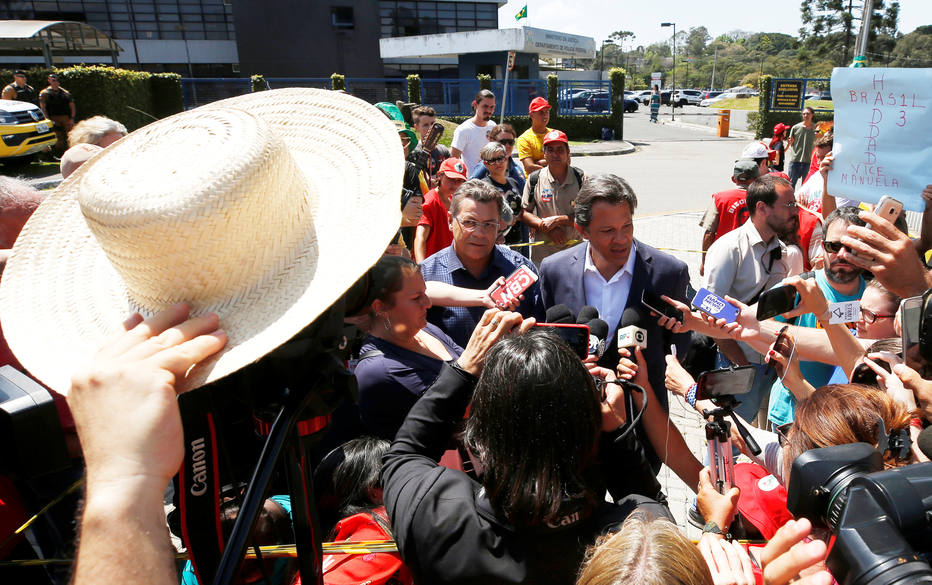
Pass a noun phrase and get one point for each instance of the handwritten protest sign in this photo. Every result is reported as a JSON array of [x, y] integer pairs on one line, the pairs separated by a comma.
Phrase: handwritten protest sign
[[883, 143]]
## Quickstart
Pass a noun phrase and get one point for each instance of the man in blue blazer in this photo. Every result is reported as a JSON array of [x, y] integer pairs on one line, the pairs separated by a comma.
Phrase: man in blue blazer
[[611, 269]]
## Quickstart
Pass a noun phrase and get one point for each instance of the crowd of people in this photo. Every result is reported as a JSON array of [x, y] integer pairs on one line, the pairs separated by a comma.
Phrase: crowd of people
[[483, 445]]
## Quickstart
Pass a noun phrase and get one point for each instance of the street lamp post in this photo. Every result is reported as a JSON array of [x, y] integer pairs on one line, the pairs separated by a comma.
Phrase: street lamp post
[[672, 105]]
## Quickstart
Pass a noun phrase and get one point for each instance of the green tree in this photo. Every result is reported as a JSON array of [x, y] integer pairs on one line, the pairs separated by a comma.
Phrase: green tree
[[696, 41], [914, 49], [830, 27]]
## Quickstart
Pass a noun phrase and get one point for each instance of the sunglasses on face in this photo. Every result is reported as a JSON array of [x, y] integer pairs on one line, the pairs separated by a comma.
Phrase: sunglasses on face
[[835, 247], [506, 141], [496, 160]]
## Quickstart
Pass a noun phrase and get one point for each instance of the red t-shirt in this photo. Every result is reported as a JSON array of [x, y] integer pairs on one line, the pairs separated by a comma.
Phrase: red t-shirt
[[732, 210], [435, 216]]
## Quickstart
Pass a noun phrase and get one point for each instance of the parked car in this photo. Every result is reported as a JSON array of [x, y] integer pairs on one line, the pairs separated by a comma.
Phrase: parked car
[[690, 97], [643, 96], [599, 102], [725, 95], [707, 95], [24, 130], [825, 95]]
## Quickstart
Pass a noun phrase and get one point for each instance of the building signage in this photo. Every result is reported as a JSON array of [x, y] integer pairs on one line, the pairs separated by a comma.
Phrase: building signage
[[787, 94]]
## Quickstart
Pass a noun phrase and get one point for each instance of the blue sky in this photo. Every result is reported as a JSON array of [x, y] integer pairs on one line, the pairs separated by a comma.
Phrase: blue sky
[[599, 18]]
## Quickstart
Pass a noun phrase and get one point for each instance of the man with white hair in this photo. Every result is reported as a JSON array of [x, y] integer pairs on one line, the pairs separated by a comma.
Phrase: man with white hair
[[17, 202]]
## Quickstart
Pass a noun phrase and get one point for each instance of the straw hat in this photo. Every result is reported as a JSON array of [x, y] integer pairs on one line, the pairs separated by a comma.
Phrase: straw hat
[[262, 208]]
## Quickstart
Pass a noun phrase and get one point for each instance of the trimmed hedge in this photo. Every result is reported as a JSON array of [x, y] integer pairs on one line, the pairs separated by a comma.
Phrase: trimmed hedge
[[485, 81], [120, 94], [167, 98], [258, 83], [337, 82], [586, 127], [617, 77], [764, 120], [553, 86], [414, 88], [115, 93]]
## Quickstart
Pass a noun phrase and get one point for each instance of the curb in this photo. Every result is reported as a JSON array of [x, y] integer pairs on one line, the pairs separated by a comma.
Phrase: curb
[[624, 147], [732, 133]]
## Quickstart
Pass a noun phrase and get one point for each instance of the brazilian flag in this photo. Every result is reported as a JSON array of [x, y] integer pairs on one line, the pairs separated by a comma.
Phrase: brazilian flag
[[521, 13]]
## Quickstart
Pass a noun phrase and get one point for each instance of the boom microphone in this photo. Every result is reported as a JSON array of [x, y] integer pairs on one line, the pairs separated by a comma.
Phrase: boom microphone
[[586, 314], [559, 314]]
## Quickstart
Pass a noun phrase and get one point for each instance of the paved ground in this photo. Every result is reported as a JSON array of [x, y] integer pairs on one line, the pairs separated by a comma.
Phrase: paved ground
[[674, 167]]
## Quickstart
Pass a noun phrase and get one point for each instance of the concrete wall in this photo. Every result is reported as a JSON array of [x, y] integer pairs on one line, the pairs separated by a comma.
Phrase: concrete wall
[[296, 39]]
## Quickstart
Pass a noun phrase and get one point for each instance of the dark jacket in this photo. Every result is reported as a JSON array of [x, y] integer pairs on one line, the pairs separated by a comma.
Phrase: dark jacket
[[561, 281], [445, 527]]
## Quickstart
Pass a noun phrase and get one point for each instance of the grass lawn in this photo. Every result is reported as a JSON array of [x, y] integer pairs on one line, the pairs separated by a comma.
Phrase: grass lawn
[[752, 103]]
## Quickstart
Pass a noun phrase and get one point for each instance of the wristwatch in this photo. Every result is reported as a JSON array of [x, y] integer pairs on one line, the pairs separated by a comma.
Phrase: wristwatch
[[713, 528]]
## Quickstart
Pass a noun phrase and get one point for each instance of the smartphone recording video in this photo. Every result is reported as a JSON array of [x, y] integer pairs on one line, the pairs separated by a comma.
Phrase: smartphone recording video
[[655, 303], [725, 382], [776, 301], [576, 336]]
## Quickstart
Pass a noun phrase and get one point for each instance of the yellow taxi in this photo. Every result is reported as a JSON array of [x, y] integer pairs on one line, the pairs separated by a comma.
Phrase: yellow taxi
[[24, 129]]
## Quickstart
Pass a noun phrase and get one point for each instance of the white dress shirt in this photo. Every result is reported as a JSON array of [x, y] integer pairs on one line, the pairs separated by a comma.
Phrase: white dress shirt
[[611, 296]]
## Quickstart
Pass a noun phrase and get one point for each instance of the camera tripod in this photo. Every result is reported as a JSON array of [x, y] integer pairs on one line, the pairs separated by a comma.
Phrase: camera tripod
[[718, 435]]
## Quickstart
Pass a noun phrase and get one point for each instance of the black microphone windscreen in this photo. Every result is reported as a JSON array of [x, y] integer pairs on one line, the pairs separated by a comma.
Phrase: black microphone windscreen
[[586, 314], [599, 328], [631, 316], [924, 442], [559, 314]]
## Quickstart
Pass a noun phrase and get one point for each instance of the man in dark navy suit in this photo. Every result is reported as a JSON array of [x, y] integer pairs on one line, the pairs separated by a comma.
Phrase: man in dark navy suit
[[612, 269]]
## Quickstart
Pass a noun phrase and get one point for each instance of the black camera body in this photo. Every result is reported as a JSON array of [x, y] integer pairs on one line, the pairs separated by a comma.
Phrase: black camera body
[[882, 520]]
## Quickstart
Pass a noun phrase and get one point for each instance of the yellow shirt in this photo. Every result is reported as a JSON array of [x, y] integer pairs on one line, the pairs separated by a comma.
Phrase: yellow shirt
[[531, 144]]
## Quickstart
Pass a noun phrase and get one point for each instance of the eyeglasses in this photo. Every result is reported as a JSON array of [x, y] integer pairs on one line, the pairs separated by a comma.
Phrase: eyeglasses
[[792, 205], [835, 247], [506, 141], [870, 316], [471, 225], [496, 160]]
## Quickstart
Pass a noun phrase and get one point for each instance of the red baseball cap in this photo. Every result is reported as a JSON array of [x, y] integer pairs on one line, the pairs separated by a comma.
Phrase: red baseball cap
[[453, 168], [763, 499], [555, 136], [538, 104]]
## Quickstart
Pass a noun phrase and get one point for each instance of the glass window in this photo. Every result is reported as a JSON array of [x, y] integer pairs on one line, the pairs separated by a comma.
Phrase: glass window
[[120, 27], [168, 18], [192, 18], [170, 34], [185, 9], [467, 10], [214, 18], [342, 17], [168, 9], [147, 26], [120, 17]]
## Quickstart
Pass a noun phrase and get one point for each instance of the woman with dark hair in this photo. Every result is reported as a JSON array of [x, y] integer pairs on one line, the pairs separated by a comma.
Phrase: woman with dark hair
[[353, 476], [403, 353], [547, 443]]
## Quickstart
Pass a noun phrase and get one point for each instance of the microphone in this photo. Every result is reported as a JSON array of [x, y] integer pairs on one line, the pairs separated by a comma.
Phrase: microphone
[[586, 314], [629, 331], [559, 314], [598, 331], [924, 441]]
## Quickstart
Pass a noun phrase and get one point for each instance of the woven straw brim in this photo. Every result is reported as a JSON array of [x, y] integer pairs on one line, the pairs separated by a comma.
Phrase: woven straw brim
[[61, 299]]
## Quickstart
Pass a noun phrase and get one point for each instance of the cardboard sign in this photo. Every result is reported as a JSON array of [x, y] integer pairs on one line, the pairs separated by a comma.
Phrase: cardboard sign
[[882, 141]]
